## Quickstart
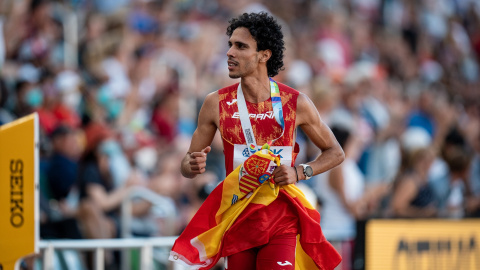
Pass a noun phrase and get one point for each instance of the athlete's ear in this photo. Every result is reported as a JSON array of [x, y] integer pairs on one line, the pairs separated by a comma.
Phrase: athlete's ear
[[265, 55]]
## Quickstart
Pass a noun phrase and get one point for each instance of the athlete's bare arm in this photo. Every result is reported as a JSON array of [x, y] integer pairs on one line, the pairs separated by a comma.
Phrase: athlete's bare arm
[[308, 119], [195, 160]]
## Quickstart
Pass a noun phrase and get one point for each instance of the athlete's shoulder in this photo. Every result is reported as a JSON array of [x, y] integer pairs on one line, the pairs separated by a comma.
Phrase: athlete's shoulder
[[212, 98], [286, 88], [228, 89], [209, 110]]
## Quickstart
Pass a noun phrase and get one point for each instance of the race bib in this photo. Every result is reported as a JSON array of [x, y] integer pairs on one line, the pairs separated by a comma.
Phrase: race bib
[[241, 153]]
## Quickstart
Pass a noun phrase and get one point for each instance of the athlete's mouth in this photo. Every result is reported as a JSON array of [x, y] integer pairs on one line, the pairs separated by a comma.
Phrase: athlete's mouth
[[232, 63]]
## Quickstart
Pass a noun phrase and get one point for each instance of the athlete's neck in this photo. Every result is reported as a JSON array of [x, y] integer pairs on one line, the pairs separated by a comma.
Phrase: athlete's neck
[[256, 90]]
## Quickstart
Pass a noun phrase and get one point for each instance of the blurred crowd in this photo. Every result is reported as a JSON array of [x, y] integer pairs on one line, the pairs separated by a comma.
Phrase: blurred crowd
[[117, 85]]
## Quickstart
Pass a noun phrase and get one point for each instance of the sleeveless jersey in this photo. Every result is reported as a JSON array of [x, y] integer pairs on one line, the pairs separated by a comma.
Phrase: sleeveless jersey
[[279, 217], [265, 128]]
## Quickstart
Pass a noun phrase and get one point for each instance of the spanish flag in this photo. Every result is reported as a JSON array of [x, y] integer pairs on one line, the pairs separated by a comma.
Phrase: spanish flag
[[212, 233]]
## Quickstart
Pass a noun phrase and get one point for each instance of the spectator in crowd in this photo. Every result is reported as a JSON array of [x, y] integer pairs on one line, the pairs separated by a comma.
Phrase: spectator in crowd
[[28, 98], [341, 191], [412, 195], [100, 199], [62, 172], [165, 117], [60, 193], [457, 156], [473, 201], [5, 115]]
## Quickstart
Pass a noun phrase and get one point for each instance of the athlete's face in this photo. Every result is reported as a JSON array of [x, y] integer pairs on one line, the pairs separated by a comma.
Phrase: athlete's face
[[243, 58]]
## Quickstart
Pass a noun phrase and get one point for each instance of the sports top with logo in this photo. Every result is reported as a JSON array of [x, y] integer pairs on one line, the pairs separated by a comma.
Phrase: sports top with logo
[[264, 125], [278, 218]]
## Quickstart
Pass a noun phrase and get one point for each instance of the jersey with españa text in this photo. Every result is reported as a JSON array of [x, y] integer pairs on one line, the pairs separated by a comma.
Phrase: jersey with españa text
[[278, 218], [264, 125]]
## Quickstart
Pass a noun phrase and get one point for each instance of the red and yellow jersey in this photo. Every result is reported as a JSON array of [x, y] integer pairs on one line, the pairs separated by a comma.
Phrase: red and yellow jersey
[[264, 125], [278, 217]]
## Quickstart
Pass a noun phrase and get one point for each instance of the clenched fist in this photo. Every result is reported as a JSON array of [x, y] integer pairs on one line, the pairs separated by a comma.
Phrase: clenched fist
[[284, 175], [194, 163]]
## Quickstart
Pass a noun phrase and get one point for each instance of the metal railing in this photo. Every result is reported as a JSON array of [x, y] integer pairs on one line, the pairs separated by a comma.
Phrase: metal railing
[[164, 207], [99, 246]]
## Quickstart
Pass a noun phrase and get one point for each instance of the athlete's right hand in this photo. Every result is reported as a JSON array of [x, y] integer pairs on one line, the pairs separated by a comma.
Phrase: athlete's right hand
[[198, 160]]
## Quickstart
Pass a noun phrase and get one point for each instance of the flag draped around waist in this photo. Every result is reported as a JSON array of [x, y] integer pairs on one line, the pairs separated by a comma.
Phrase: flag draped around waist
[[202, 244]]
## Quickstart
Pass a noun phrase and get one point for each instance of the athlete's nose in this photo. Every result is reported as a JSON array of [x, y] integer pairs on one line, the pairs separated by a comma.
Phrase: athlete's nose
[[230, 53]]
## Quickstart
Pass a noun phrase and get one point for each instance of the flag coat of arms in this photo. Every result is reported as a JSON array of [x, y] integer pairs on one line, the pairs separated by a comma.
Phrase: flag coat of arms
[[214, 231]]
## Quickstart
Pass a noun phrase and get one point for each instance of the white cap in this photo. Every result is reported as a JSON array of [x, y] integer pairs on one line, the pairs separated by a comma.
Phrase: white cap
[[415, 138]]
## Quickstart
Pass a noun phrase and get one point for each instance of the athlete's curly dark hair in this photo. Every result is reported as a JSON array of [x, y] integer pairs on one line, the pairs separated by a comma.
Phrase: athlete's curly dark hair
[[268, 35]]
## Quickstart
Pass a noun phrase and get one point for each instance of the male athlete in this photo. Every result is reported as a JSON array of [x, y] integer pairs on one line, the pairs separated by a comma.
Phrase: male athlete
[[255, 55]]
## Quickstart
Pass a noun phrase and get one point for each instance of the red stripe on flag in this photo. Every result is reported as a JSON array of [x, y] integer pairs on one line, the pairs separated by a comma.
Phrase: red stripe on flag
[[250, 177], [244, 191], [250, 182], [246, 184], [244, 187]]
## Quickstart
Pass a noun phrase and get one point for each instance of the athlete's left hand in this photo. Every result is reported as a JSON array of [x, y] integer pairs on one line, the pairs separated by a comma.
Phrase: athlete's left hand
[[284, 175]]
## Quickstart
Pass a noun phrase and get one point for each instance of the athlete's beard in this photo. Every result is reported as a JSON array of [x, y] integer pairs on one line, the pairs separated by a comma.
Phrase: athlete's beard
[[235, 75], [245, 71]]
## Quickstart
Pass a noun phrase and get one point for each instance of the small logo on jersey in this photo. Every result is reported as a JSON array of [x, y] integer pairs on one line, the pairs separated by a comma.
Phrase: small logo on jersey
[[285, 263], [230, 103], [246, 152], [261, 116], [277, 152]]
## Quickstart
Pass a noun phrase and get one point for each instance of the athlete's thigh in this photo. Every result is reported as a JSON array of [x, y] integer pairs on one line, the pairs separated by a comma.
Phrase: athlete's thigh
[[278, 254], [242, 260]]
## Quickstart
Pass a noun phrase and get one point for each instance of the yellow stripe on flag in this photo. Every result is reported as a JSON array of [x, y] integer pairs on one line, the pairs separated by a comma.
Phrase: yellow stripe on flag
[[254, 183], [244, 182]]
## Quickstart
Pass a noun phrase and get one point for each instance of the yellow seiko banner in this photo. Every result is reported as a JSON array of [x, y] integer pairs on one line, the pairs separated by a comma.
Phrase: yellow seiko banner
[[423, 244], [18, 190]]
